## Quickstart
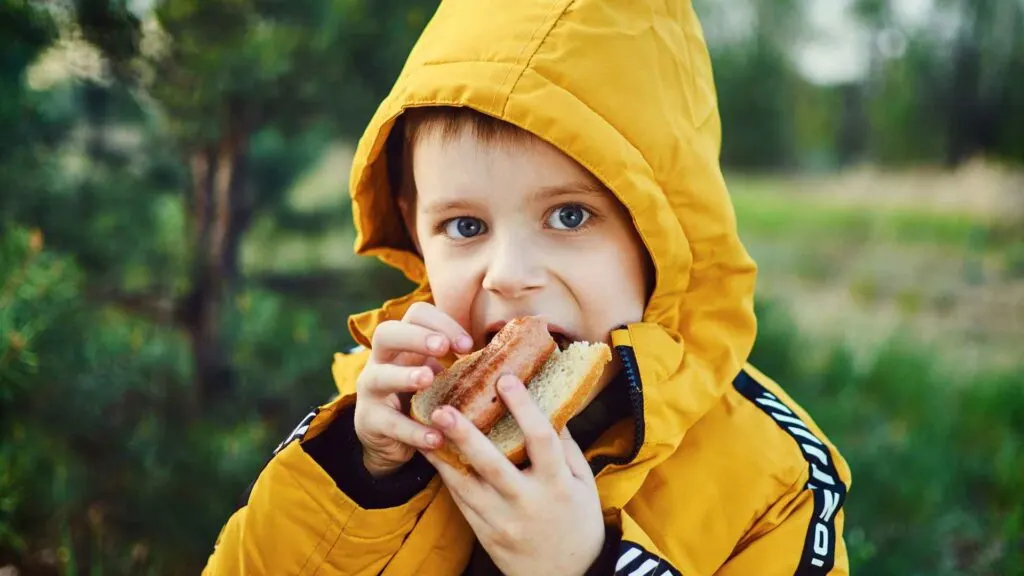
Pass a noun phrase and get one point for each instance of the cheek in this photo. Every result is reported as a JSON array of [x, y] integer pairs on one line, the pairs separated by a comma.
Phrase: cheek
[[452, 285], [610, 282], [611, 266]]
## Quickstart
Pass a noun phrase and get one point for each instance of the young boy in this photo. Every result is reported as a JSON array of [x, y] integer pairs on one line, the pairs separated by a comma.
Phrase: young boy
[[559, 159]]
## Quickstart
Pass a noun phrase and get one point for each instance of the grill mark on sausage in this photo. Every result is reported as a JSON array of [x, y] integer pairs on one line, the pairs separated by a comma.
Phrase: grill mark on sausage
[[521, 348]]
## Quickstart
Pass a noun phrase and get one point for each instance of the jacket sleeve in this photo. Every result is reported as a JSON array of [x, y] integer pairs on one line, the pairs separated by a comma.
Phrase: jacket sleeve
[[313, 509], [635, 553], [779, 552], [801, 544]]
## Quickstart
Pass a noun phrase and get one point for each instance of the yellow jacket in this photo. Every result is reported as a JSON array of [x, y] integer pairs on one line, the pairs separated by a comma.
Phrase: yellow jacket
[[719, 471]]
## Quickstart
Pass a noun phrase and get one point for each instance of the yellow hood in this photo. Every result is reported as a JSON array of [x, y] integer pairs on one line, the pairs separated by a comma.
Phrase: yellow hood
[[626, 89], [707, 477]]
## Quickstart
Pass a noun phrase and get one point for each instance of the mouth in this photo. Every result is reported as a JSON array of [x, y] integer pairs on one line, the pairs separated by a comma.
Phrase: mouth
[[562, 340], [561, 336]]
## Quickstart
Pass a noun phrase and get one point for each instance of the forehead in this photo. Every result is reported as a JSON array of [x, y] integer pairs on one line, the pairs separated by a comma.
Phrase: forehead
[[462, 163]]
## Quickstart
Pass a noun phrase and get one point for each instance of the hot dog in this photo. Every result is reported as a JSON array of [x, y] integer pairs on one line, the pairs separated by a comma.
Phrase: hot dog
[[521, 348], [559, 380]]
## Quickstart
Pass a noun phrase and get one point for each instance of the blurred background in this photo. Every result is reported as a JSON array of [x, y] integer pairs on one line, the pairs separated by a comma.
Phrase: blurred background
[[176, 266]]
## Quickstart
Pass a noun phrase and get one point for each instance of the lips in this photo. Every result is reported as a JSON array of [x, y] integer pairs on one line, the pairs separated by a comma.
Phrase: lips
[[562, 337]]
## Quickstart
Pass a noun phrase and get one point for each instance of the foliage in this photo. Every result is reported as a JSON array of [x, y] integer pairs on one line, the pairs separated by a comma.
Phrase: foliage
[[96, 400], [283, 65], [937, 91], [105, 439], [755, 87]]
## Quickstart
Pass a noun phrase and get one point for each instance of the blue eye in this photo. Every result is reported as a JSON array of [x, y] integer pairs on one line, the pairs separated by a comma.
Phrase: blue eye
[[463, 227], [568, 217]]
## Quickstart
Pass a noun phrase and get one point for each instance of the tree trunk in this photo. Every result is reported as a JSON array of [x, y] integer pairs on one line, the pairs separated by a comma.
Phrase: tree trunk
[[219, 217], [851, 140], [973, 117], [963, 117], [95, 106]]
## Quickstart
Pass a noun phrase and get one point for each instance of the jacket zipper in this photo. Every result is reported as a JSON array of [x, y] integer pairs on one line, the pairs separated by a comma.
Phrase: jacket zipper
[[636, 401]]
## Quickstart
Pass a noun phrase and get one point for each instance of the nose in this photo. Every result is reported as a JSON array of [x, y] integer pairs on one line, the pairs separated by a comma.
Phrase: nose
[[514, 269]]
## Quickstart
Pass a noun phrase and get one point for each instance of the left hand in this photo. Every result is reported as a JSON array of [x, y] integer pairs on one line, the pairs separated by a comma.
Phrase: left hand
[[544, 520]]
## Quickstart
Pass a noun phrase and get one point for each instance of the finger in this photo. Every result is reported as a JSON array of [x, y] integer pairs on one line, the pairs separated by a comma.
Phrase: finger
[[412, 359], [434, 365], [431, 317], [396, 426], [464, 489], [547, 457], [392, 338], [493, 467], [477, 521], [386, 379], [575, 458]]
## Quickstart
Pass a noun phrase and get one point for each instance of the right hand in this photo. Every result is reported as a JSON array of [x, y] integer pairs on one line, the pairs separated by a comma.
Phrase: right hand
[[403, 360]]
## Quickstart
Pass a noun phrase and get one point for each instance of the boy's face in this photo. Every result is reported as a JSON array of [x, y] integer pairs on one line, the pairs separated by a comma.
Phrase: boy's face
[[512, 229]]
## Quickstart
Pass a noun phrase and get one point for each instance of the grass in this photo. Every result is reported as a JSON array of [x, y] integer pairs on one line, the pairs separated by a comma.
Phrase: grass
[[864, 258], [768, 212]]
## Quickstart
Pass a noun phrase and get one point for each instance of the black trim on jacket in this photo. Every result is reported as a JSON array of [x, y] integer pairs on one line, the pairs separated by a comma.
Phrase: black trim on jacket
[[829, 490], [338, 452]]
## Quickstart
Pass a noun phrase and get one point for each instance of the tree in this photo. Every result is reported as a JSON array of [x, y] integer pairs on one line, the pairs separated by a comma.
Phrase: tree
[[165, 372], [755, 79], [25, 32], [964, 66], [225, 75]]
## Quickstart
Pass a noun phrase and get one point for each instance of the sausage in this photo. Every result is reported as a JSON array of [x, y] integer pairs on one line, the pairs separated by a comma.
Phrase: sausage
[[521, 348]]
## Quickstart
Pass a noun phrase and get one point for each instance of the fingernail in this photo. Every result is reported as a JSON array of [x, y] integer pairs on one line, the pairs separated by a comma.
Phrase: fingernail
[[464, 343], [435, 342], [507, 383], [433, 439], [443, 418], [422, 377]]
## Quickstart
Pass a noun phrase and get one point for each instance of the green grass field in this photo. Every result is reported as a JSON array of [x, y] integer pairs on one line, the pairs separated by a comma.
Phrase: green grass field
[[767, 210], [881, 257]]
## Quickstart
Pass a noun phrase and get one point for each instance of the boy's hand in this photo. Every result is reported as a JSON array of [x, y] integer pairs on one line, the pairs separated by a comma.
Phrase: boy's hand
[[403, 360], [545, 520]]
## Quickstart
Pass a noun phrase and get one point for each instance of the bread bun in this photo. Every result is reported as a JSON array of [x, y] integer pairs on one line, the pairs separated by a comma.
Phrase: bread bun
[[559, 388]]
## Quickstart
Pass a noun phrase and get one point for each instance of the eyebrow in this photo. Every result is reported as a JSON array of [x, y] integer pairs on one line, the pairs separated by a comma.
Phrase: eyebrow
[[450, 206], [578, 188]]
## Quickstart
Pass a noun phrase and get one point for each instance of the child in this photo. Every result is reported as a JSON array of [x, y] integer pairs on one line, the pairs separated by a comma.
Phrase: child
[[560, 159]]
